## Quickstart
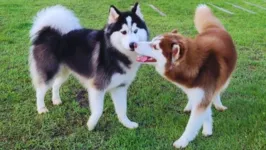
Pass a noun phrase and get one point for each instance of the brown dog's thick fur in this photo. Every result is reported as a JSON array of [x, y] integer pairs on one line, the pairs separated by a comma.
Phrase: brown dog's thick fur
[[207, 61], [201, 67]]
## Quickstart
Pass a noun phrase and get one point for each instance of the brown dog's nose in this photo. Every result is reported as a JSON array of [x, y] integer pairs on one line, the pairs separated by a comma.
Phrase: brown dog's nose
[[132, 46]]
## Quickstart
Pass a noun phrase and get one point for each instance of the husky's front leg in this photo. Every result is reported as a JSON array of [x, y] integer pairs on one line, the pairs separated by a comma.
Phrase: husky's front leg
[[96, 99], [119, 97]]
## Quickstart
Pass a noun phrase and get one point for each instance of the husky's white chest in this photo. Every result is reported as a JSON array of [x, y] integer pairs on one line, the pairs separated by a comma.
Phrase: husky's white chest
[[126, 78]]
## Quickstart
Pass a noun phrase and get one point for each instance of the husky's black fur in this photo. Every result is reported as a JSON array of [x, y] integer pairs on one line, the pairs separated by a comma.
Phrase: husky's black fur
[[76, 49]]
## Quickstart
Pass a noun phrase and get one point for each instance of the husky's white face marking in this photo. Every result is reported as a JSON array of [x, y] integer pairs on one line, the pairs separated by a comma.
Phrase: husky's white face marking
[[129, 33], [129, 21], [152, 52]]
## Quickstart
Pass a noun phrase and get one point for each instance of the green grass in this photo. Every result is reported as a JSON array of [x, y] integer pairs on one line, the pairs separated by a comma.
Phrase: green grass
[[153, 102]]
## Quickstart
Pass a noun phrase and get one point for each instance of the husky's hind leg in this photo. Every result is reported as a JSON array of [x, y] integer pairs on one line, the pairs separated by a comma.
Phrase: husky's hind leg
[[59, 80], [43, 68], [40, 94], [41, 87]]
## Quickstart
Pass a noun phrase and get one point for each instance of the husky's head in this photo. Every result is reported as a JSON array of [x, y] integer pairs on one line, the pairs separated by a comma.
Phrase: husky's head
[[125, 29]]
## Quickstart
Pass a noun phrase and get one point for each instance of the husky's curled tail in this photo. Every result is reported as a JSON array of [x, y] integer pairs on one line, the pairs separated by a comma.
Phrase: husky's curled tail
[[56, 17], [45, 35]]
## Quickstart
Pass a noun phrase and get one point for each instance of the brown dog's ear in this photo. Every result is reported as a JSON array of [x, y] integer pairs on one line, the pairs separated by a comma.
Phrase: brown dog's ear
[[176, 52], [113, 14], [174, 31]]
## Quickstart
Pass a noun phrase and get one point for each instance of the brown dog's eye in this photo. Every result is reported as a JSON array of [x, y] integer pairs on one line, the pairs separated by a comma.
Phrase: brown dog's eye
[[154, 47]]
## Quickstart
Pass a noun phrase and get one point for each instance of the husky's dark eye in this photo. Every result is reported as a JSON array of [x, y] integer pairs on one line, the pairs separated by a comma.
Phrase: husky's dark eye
[[135, 31], [124, 32]]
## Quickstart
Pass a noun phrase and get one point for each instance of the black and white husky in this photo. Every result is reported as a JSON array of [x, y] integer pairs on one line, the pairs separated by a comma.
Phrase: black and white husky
[[102, 60]]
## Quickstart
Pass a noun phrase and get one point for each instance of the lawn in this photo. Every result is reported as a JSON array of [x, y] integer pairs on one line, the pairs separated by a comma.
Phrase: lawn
[[153, 102]]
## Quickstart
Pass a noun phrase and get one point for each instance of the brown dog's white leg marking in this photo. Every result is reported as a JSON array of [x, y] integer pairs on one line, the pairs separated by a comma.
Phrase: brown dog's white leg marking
[[218, 104], [201, 112], [208, 122], [188, 107]]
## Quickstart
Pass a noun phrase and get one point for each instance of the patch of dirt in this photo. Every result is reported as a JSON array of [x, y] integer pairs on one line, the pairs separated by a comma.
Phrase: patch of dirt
[[251, 67], [82, 98]]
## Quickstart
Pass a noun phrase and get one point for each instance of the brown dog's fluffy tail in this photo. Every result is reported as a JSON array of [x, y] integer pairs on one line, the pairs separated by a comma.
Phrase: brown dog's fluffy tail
[[204, 19]]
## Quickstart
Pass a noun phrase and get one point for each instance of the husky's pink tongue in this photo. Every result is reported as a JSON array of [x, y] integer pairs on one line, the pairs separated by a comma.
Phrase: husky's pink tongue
[[142, 58], [145, 59]]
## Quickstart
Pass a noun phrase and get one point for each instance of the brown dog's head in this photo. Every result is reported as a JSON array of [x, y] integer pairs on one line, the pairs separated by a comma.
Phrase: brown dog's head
[[165, 49]]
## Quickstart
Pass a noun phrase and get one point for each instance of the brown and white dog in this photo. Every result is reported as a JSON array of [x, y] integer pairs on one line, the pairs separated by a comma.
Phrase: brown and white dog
[[201, 67]]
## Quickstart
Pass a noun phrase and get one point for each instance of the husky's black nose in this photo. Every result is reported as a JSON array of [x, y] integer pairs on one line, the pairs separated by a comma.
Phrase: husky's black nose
[[132, 46]]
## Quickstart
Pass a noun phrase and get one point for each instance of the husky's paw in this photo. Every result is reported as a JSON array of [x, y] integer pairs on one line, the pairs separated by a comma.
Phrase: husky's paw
[[187, 110], [57, 101], [206, 132], [220, 107], [91, 125], [42, 110], [181, 143], [131, 125], [92, 122]]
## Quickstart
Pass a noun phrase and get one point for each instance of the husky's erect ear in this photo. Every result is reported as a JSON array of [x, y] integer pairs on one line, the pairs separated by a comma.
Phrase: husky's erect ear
[[136, 10], [113, 14]]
